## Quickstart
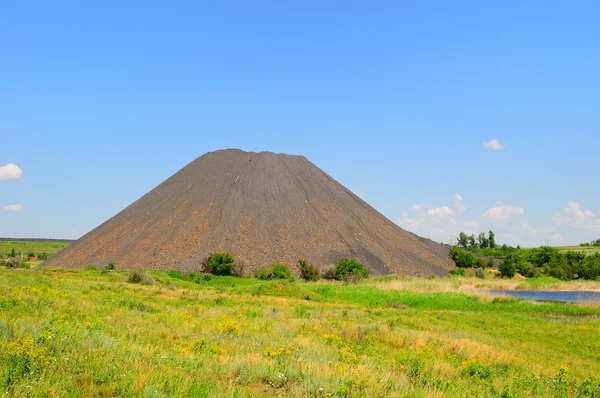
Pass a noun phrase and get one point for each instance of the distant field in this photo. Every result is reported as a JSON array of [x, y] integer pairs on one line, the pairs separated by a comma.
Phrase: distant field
[[51, 248], [584, 249]]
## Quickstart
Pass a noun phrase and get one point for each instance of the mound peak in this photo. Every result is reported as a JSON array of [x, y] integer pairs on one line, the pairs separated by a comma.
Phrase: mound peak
[[262, 207]]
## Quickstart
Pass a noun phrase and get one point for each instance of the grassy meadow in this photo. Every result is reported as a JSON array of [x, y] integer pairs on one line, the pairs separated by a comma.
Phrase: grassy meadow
[[583, 249], [90, 333], [26, 247]]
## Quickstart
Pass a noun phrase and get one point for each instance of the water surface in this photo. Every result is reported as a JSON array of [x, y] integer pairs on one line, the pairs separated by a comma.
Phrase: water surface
[[567, 296]]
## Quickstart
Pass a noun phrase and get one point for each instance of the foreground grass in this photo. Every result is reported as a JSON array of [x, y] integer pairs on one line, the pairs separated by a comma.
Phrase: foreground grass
[[86, 333]]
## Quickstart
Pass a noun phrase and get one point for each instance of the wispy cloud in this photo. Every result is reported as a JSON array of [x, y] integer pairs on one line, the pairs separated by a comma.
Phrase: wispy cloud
[[556, 236], [458, 203], [417, 207], [472, 224], [574, 216], [15, 207]]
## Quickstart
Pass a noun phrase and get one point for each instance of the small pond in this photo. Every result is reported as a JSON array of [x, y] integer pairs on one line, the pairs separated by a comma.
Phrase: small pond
[[570, 296]]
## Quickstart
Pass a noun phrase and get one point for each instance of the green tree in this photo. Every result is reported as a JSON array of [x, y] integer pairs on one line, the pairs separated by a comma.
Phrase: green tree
[[471, 244], [463, 240], [542, 255], [482, 240], [491, 239]]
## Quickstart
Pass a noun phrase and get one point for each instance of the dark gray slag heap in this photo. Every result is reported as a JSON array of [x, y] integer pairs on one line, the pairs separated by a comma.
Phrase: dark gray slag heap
[[261, 207]]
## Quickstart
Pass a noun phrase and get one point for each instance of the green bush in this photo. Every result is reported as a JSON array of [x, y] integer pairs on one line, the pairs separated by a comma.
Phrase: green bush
[[109, 266], [219, 264], [90, 267], [350, 269], [507, 268], [308, 272], [135, 277], [281, 271], [463, 259], [480, 273], [457, 272], [263, 273]]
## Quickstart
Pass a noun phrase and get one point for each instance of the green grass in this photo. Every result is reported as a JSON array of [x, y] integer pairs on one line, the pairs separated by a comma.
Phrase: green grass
[[37, 247], [89, 333], [583, 249]]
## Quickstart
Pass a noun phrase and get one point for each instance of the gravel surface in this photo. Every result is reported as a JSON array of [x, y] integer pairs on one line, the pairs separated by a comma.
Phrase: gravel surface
[[261, 207]]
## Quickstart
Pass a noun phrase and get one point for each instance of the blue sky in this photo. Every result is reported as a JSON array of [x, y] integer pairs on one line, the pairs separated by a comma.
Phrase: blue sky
[[100, 102]]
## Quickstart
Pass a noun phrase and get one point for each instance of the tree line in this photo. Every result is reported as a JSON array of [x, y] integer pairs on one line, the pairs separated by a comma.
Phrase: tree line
[[470, 242], [544, 260]]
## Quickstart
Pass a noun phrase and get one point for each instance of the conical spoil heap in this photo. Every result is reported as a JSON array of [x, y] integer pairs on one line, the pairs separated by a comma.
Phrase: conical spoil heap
[[262, 208]]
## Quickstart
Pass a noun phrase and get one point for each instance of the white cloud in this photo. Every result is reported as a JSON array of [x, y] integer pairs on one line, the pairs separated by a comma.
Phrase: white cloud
[[442, 211], [10, 171], [503, 212], [494, 145], [361, 195], [472, 224], [574, 216], [452, 220], [556, 236], [410, 223], [458, 203], [15, 207], [529, 229], [417, 207]]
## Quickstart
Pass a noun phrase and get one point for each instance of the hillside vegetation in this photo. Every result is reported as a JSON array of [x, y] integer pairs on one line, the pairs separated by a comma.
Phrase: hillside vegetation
[[91, 333]]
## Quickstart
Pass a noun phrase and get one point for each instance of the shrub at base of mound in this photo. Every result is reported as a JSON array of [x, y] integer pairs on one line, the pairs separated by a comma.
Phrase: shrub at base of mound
[[263, 273], [135, 277], [140, 277], [275, 271], [281, 271], [308, 272], [219, 264], [348, 269]]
